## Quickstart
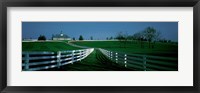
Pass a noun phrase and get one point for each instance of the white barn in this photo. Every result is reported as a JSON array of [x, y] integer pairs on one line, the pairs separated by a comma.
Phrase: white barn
[[60, 36]]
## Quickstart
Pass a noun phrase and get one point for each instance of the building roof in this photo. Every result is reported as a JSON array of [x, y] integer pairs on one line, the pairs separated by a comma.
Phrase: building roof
[[61, 35]]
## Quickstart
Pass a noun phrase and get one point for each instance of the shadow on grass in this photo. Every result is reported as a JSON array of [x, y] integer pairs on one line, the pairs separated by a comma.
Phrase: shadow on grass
[[96, 61]]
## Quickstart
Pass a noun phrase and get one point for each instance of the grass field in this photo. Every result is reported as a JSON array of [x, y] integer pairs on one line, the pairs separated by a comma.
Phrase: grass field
[[96, 61], [161, 49], [46, 46]]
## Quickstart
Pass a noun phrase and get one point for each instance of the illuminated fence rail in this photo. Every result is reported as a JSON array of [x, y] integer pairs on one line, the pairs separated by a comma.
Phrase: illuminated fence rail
[[142, 62], [32, 61]]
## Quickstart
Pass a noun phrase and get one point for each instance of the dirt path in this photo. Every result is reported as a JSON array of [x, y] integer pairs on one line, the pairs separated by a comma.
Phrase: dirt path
[[71, 44]]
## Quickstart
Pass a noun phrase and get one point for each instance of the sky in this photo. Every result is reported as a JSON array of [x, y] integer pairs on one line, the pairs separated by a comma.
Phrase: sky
[[98, 30]]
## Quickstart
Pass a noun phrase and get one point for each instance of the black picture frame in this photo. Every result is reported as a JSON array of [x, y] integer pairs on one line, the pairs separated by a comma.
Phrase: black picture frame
[[101, 3]]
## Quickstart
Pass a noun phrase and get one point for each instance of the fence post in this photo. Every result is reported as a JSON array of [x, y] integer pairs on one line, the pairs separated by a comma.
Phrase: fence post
[[125, 58], [88, 51], [116, 57], [58, 59], [84, 53], [111, 56], [80, 55], [26, 61], [144, 62], [72, 56], [107, 53]]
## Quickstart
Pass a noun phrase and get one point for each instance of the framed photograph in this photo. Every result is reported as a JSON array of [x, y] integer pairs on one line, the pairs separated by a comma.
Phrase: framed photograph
[[100, 46]]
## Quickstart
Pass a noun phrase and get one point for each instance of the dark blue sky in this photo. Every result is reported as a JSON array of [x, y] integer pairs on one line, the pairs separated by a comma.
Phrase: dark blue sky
[[99, 30]]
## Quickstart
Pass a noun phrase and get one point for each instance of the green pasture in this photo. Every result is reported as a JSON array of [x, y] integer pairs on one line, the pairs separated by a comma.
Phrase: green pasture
[[46, 46], [96, 61], [161, 49]]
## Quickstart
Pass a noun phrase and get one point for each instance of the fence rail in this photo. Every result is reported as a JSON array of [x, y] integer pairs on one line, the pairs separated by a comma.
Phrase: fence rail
[[142, 62], [32, 61]]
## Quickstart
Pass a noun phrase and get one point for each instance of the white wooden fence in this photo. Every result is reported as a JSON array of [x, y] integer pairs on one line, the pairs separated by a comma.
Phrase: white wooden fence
[[142, 62], [32, 61]]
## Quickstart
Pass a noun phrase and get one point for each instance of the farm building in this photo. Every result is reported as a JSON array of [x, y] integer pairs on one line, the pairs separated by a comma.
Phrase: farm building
[[60, 36]]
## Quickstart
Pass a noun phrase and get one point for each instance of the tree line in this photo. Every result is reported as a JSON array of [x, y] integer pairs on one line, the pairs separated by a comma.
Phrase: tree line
[[149, 34]]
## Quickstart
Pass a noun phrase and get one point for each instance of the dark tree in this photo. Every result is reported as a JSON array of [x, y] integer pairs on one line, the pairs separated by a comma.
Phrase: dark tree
[[151, 34], [122, 38], [139, 36], [81, 37], [107, 38], [91, 38], [111, 38], [42, 37], [74, 38], [52, 36], [169, 41]]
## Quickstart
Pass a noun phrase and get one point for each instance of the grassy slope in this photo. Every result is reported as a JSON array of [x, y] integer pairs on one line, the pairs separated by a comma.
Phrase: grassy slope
[[134, 47], [46, 46]]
